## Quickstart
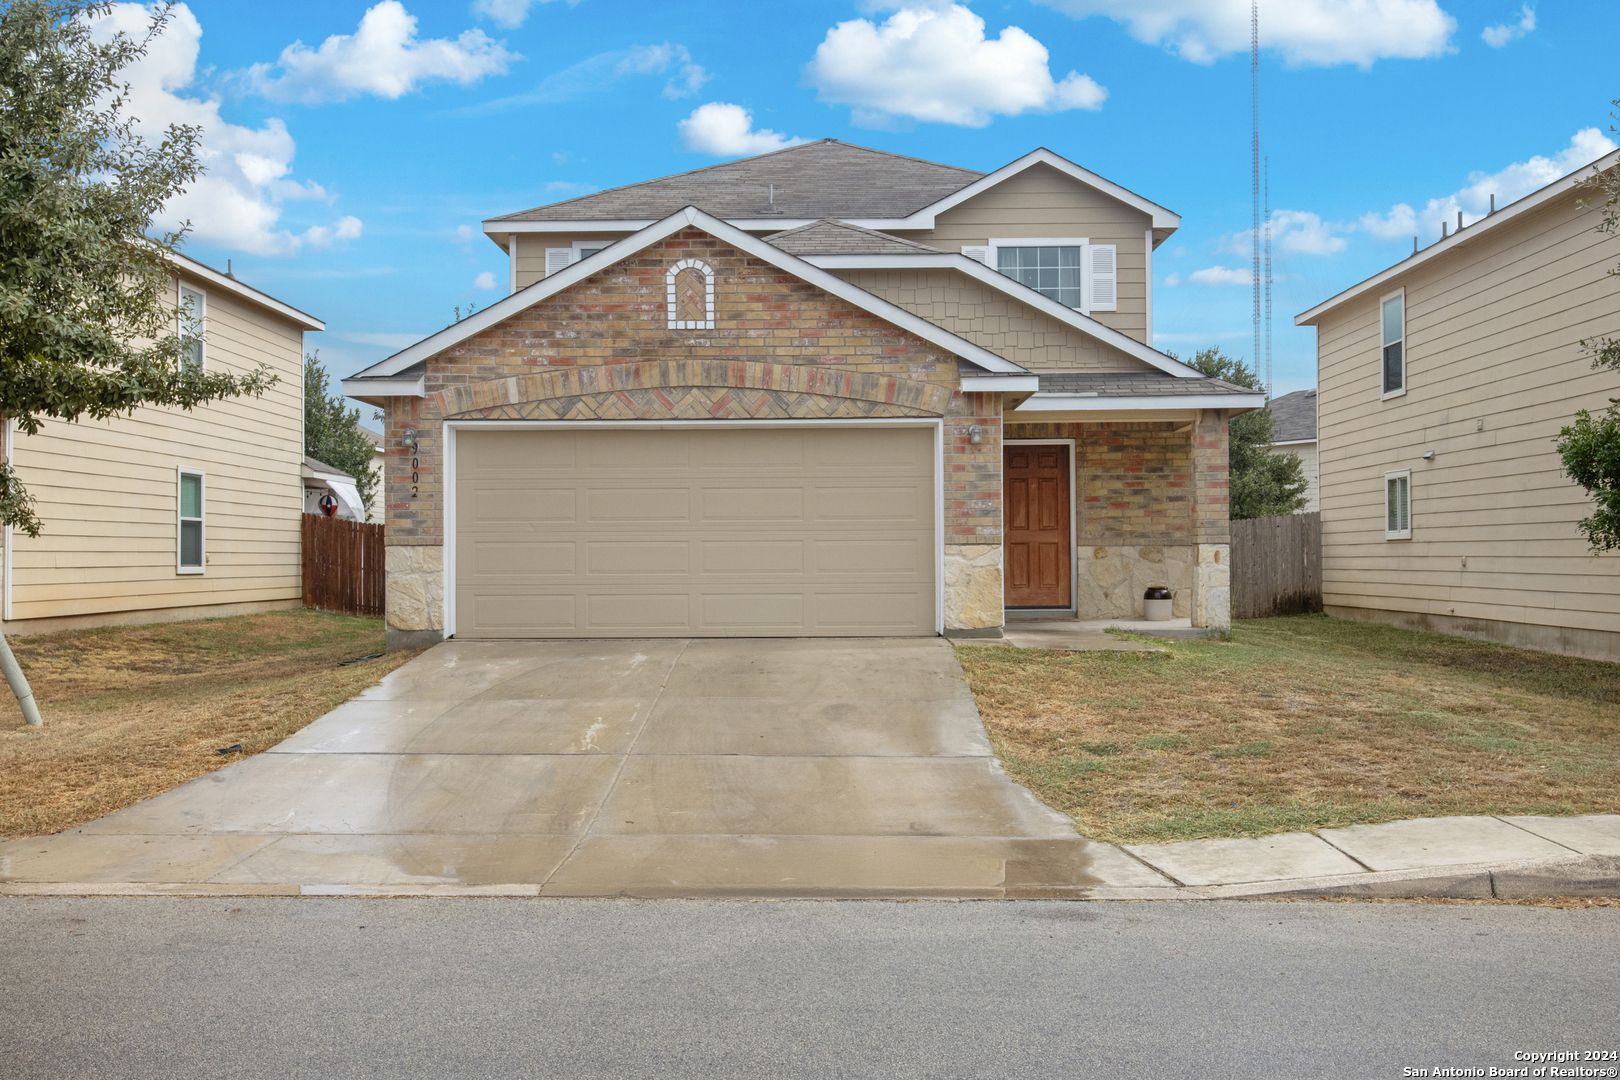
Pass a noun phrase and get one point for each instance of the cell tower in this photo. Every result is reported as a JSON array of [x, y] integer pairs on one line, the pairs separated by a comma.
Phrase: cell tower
[[1268, 275], [1254, 155]]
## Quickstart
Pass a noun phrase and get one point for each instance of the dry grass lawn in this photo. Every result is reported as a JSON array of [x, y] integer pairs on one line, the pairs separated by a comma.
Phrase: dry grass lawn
[[1301, 723], [131, 712]]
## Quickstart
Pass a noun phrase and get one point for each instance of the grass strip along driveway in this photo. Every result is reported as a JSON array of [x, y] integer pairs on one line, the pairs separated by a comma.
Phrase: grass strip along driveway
[[133, 711], [1301, 723]]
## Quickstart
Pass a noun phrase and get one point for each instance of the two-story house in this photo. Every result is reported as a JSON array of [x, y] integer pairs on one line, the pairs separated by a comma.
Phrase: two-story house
[[168, 514], [1442, 385], [824, 391]]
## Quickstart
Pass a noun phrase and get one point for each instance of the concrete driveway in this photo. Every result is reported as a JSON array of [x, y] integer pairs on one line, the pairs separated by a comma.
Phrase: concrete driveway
[[648, 768]]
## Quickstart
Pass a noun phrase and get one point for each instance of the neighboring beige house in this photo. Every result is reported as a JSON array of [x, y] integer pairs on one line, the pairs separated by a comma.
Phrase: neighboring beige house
[[1443, 382], [167, 514], [825, 391], [1294, 432]]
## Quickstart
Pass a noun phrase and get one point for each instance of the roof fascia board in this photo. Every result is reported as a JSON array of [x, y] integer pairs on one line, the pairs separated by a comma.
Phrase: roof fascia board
[[946, 260], [1000, 384], [1292, 442], [1534, 201], [924, 218], [690, 216], [193, 268], [505, 228], [1094, 403], [361, 388]]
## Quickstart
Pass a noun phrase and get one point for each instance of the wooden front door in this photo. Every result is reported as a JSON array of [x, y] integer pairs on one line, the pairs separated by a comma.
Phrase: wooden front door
[[1035, 483]]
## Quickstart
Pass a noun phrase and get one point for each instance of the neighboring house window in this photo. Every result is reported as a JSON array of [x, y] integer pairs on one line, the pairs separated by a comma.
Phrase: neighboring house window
[[193, 323], [1398, 506], [1394, 351], [689, 288], [1074, 272], [192, 556]]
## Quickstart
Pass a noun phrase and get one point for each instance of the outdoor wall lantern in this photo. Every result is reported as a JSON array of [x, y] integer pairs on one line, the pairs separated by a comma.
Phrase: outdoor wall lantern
[[975, 434], [409, 439]]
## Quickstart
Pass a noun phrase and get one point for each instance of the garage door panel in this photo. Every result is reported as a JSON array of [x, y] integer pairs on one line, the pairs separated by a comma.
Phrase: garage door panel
[[638, 558], [753, 503], [639, 504], [736, 532], [745, 557]]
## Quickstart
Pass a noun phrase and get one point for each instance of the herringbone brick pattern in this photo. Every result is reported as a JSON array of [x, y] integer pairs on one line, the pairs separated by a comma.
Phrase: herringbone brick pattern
[[694, 403]]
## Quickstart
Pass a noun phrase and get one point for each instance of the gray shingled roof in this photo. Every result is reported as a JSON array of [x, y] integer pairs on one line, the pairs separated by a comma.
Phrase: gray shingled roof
[[825, 179], [828, 237], [1134, 384], [1294, 416]]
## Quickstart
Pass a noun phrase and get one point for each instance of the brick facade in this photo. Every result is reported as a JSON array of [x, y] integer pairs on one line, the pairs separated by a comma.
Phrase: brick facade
[[780, 348]]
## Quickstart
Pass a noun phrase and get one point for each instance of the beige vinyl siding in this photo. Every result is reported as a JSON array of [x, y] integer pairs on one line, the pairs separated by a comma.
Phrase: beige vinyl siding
[[1306, 452], [1493, 335], [108, 490], [531, 252], [992, 319], [1042, 202]]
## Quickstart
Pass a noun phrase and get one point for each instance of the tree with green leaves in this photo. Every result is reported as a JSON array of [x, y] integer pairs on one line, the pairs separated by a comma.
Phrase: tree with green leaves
[[332, 431], [1590, 446], [1264, 484], [85, 329]]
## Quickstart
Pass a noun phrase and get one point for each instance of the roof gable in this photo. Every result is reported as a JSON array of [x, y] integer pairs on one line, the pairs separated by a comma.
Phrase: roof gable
[[501, 310], [1294, 417]]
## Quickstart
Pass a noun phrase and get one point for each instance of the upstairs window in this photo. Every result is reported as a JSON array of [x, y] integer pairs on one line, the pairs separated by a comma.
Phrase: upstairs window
[[1054, 272], [1394, 349], [193, 324], [1398, 506], [191, 557], [1074, 272]]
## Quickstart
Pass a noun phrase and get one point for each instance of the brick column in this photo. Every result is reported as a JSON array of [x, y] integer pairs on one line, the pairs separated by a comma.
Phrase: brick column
[[1212, 527]]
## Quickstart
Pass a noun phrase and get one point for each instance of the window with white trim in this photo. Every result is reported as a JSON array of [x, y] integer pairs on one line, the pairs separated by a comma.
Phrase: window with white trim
[[194, 325], [561, 258], [1072, 271], [1392, 356], [689, 293], [1398, 505], [191, 555]]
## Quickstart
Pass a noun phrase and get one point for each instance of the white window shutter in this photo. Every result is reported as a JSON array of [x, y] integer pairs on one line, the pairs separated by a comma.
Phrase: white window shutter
[[1102, 261], [978, 253], [558, 259]]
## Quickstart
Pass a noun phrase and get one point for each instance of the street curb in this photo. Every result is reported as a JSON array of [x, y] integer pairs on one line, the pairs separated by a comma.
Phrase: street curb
[[1573, 876]]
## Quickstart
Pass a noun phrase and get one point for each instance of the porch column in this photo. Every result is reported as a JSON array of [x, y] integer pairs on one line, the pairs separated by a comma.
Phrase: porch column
[[1212, 530]]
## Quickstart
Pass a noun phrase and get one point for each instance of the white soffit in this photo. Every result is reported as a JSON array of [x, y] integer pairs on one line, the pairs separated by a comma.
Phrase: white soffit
[[1016, 289], [691, 215], [1533, 201], [1059, 402]]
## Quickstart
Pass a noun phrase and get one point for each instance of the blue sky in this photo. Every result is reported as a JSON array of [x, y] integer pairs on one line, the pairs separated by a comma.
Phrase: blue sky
[[354, 148]]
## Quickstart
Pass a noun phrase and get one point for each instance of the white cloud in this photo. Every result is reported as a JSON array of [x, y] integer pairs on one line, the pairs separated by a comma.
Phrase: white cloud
[[235, 204], [1474, 199], [1295, 232], [382, 57], [1306, 32], [486, 280], [1220, 275], [464, 235], [935, 64], [506, 13], [1172, 281], [727, 130], [602, 71], [1498, 36]]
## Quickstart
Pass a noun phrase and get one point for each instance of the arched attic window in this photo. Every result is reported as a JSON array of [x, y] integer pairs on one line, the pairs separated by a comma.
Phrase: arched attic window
[[690, 288]]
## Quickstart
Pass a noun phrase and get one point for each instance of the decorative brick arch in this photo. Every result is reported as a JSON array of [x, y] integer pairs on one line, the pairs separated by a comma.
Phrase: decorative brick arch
[[685, 388]]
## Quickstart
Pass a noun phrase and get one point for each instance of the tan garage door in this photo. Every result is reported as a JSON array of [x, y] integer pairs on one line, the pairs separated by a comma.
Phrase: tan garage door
[[706, 532]]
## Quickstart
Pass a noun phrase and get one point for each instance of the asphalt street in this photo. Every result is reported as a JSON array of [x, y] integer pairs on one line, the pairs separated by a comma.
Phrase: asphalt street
[[448, 988]]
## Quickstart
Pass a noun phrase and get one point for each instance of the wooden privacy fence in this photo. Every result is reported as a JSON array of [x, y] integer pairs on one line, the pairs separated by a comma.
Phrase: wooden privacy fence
[[343, 566], [1276, 566]]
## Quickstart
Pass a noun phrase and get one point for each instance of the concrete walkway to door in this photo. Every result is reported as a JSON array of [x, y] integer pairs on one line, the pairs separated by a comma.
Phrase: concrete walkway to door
[[709, 767]]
